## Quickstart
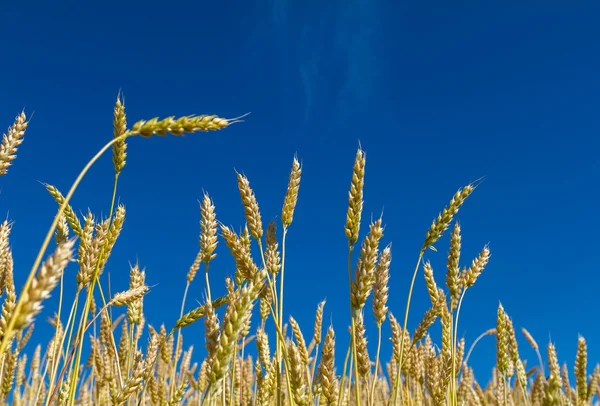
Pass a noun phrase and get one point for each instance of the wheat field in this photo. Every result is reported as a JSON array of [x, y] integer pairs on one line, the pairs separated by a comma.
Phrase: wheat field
[[268, 360]]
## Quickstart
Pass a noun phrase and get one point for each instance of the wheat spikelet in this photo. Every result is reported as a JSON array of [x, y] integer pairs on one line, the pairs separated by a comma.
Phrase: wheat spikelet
[[355, 198], [244, 263], [364, 363], [179, 126], [432, 288], [426, 322], [5, 229], [364, 274], [318, 323], [396, 337], [199, 312], [212, 333], [301, 343], [41, 286], [251, 209], [119, 129], [501, 342], [11, 141], [129, 297], [476, 268], [380, 289], [208, 227], [137, 280], [297, 375], [272, 257], [327, 378], [8, 377], [68, 212], [233, 322], [291, 196], [581, 371], [452, 277], [441, 223], [62, 230], [115, 229]]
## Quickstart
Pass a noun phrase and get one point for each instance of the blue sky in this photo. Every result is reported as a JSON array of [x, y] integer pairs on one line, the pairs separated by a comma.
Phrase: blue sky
[[437, 95]]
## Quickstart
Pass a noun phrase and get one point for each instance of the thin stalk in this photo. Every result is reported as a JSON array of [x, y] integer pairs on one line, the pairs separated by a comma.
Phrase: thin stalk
[[355, 359], [207, 281], [482, 335], [282, 273], [351, 370], [343, 388], [454, 341], [412, 285], [353, 317], [376, 364]]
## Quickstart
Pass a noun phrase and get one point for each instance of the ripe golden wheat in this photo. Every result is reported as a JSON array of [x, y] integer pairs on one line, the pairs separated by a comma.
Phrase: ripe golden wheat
[[132, 363]]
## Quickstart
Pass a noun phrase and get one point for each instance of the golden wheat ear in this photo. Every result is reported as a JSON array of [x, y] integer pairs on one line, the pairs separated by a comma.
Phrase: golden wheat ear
[[11, 141]]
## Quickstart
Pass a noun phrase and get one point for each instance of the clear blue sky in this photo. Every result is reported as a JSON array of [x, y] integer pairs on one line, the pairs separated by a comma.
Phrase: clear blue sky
[[437, 95]]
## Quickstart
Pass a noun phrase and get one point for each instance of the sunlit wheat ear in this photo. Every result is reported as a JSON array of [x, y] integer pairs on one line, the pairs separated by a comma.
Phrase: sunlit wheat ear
[[530, 339], [199, 312], [380, 290], [43, 283], [68, 213], [513, 353], [272, 257], [327, 378], [212, 333], [5, 229], [432, 288], [555, 382], [10, 365], [116, 226], [208, 229], [291, 196], [62, 230], [130, 296], [89, 251], [501, 342], [137, 279], [297, 375], [263, 348], [10, 301], [119, 128], [11, 141], [244, 263], [178, 126], [426, 322], [364, 275], [396, 337], [364, 363], [251, 210], [301, 343], [266, 301], [233, 323], [477, 267], [581, 371], [318, 323], [441, 223], [355, 198], [452, 277]]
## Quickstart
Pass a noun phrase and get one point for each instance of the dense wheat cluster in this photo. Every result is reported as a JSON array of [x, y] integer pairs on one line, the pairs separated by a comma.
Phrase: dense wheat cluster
[[104, 353]]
